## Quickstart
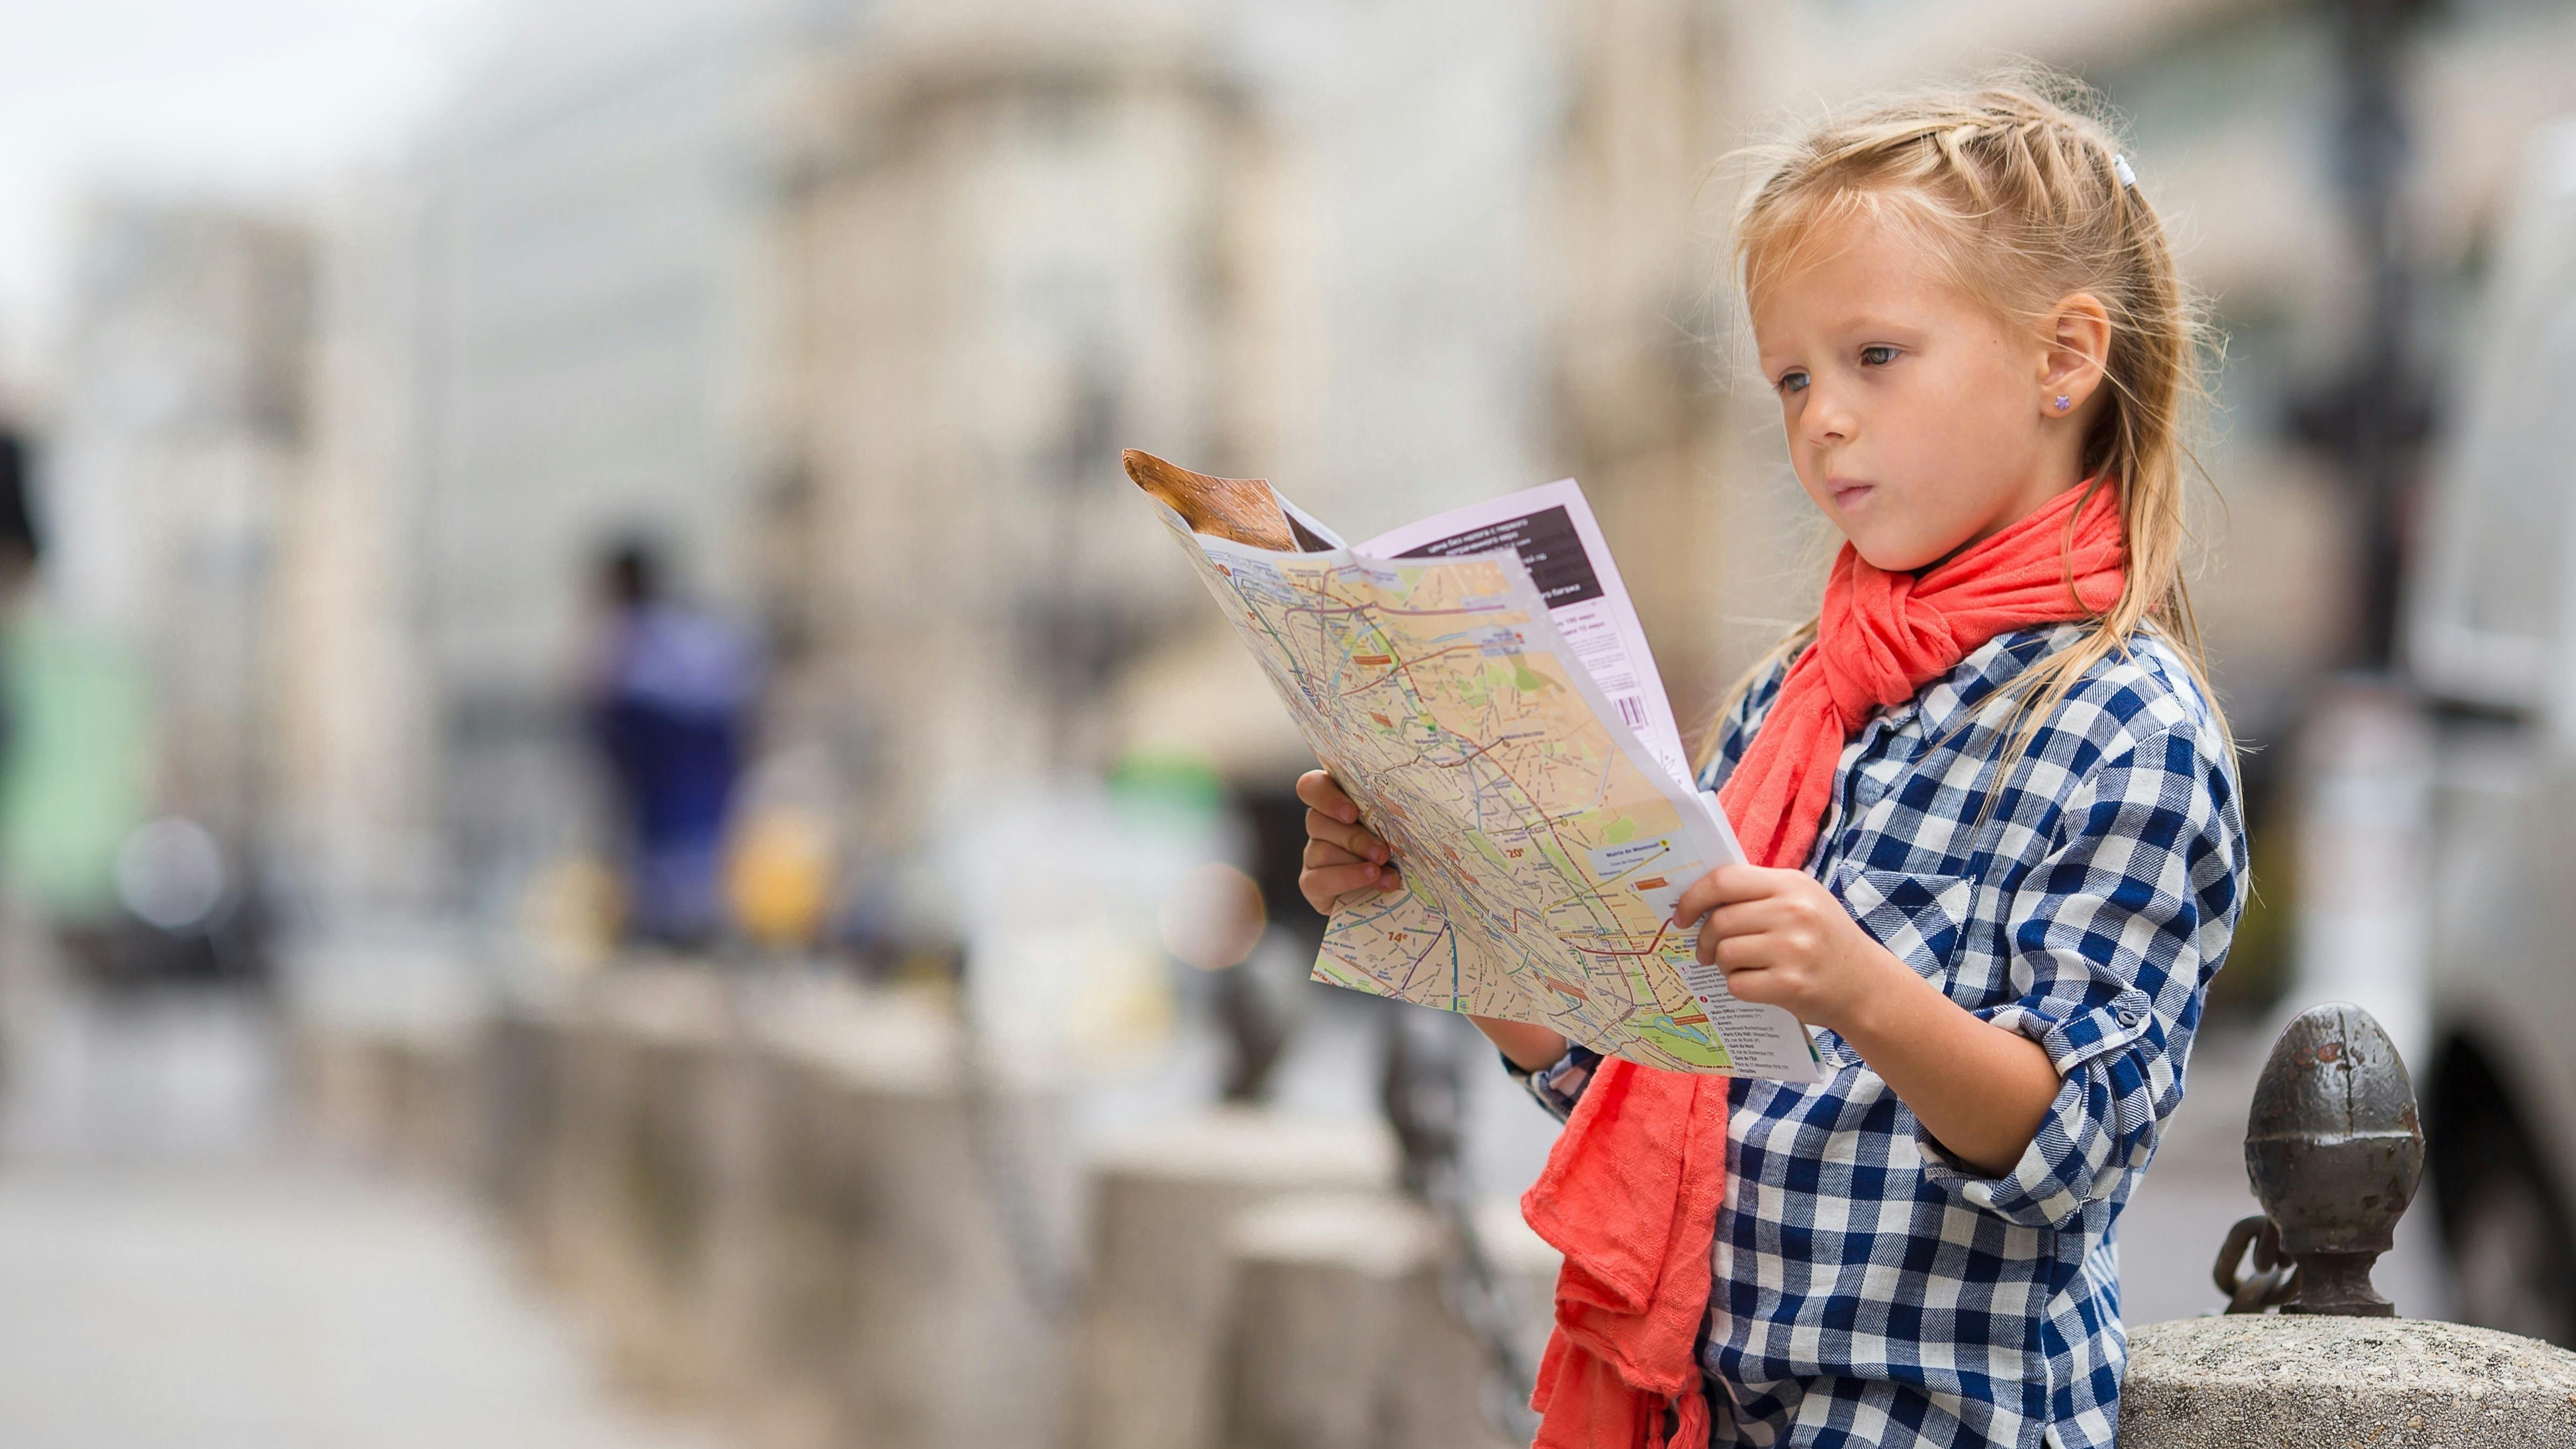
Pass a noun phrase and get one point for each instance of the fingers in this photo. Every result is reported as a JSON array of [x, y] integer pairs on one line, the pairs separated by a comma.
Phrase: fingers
[[1742, 921], [1759, 985], [1325, 852], [1342, 856], [1358, 840], [1705, 894], [1323, 886], [1727, 883], [1754, 951], [1331, 873], [1322, 793], [1322, 853]]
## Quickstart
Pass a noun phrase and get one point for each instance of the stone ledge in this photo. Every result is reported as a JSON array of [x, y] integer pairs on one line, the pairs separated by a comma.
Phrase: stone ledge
[[2250, 1382]]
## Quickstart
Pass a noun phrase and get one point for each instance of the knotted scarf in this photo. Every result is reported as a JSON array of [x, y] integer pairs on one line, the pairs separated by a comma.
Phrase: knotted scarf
[[1632, 1189]]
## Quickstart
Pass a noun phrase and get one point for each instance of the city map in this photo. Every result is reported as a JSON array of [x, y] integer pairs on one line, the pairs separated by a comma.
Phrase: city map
[[1543, 843]]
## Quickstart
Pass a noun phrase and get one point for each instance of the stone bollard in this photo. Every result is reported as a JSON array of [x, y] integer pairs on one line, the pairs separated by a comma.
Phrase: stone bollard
[[2334, 1153], [2258, 1382], [1342, 1334], [693, 1183], [906, 1313], [739, 1123], [1154, 1317], [518, 1058], [382, 1038], [1446, 1385], [625, 1205]]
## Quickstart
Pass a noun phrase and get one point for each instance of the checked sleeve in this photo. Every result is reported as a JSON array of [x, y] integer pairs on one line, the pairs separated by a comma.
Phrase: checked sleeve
[[2111, 934]]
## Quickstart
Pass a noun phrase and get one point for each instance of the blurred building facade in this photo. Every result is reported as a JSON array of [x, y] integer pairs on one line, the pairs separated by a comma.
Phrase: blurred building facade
[[353, 817], [854, 304], [1008, 249], [589, 319], [177, 440], [1017, 245]]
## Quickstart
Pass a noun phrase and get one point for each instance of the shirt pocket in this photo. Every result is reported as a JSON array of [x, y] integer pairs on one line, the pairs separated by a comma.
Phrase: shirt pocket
[[1919, 918]]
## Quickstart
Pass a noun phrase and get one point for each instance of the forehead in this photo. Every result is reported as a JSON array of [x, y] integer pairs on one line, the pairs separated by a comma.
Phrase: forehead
[[1860, 265]]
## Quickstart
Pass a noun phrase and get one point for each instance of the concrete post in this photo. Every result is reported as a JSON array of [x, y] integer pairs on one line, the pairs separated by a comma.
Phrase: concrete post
[[927, 1325], [382, 1036], [1445, 1381], [1341, 1336], [1154, 1318], [1318, 1313], [627, 1204], [2258, 1382]]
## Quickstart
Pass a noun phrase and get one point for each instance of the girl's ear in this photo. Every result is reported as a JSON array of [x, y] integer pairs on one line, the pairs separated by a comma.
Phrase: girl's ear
[[2078, 337]]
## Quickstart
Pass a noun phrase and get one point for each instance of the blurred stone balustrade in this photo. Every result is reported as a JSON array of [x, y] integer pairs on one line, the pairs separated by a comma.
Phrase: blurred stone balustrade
[[784, 1200]]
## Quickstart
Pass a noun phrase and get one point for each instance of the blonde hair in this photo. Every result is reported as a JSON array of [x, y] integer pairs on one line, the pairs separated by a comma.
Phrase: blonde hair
[[2014, 188]]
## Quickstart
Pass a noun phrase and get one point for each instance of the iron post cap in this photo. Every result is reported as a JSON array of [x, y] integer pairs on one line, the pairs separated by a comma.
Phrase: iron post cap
[[2333, 1146]]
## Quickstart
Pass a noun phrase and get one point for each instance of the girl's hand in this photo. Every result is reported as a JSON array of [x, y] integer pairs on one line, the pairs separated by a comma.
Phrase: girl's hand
[[1783, 940], [1341, 855]]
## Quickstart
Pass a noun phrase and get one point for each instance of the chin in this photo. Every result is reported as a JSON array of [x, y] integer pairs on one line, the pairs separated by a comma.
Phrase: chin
[[1894, 555]]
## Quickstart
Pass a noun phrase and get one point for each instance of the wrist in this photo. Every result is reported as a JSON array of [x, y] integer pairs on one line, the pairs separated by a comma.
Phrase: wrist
[[1889, 995], [1527, 1046]]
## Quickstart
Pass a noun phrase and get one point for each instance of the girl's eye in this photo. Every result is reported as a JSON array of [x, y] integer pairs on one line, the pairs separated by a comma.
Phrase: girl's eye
[[1792, 382], [1877, 354]]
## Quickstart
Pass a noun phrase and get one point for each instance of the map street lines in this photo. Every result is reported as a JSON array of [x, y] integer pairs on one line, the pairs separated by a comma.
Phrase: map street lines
[[1542, 844]]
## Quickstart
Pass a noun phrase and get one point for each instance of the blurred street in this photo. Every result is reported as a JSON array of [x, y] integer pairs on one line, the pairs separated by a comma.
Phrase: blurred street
[[178, 1267]]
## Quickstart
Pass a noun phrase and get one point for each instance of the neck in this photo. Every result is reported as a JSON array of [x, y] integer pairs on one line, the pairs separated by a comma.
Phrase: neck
[[2038, 496]]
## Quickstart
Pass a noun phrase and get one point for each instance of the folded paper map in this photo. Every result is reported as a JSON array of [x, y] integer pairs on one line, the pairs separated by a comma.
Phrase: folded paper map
[[1477, 682]]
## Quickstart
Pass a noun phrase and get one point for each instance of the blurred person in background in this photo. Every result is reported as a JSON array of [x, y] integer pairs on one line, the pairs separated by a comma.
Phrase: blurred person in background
[[17, 546], [17, 567], [18, 552], [670, 698]]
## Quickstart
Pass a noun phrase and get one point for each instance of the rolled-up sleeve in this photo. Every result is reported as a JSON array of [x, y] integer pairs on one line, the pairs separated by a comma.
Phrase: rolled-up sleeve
[[2113, 934], [1558, 1086]]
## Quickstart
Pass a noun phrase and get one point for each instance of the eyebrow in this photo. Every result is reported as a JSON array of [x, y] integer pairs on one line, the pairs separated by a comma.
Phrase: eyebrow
[[1868, 323]]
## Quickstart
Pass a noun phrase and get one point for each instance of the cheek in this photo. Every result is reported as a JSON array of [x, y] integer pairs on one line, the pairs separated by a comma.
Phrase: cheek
[[1957, 455]]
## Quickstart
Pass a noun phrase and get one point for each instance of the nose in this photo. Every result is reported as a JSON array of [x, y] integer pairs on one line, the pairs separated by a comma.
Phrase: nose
[[1827, 418]]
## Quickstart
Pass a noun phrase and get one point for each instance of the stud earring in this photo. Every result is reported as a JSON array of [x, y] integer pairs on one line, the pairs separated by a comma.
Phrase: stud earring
[[2064, 402]]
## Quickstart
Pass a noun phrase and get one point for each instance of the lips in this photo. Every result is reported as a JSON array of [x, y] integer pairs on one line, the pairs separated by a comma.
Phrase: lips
[[1848, 491]]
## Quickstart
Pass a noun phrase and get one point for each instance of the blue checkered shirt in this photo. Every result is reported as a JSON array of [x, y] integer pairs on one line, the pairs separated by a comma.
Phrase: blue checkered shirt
[[1870, 1288]]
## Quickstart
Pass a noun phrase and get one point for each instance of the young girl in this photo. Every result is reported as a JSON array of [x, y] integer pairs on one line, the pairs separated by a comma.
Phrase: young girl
[[1991, 809]]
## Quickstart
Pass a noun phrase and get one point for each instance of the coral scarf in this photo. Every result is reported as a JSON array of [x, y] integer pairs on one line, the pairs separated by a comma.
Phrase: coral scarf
[[1632, 1189]]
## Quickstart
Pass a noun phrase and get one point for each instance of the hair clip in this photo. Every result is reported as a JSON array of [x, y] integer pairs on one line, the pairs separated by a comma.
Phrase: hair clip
[[2120, 168]]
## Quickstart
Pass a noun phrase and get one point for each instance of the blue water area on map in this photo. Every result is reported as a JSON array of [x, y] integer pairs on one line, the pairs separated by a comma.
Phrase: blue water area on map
[[1666, 1023]]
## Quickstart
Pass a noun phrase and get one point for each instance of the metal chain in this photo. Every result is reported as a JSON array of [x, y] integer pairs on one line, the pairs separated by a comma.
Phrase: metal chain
[[2274, 1281]]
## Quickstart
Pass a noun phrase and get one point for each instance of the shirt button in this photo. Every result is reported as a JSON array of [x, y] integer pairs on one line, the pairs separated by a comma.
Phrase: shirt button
[[2129, 1017]]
